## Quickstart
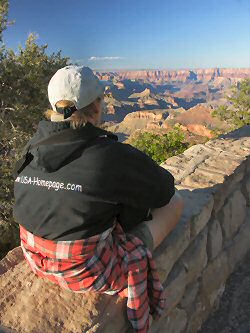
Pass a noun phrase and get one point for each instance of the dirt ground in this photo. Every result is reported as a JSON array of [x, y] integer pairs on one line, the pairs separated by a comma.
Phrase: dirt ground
[[233, 314]]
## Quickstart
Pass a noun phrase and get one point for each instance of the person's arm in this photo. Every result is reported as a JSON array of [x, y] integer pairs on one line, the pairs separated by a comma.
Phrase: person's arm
[[146, 183], [137, 180]]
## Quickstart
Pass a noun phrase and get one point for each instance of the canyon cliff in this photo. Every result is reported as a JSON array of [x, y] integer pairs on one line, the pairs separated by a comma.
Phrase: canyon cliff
[[177, 75]]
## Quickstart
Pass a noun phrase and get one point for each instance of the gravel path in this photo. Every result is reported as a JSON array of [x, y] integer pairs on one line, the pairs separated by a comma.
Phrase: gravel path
[[233, 314]]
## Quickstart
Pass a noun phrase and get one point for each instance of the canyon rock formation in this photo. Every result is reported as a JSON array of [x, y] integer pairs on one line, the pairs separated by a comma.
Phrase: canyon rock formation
[[178, 75]]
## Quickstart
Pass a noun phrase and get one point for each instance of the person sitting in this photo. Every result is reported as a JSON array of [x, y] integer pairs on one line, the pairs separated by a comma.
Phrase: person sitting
[[91, 209]]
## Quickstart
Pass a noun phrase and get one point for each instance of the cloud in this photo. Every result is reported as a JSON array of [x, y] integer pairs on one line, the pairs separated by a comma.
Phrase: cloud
[[104, 58]]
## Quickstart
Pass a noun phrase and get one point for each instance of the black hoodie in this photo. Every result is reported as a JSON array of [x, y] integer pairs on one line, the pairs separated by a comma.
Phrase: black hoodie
[[72, 183]]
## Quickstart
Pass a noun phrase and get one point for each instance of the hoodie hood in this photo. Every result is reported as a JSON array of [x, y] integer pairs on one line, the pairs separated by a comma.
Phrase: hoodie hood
[[55, 144]]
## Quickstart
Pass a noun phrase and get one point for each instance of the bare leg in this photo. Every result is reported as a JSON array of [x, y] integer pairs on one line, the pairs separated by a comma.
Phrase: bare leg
[[165, 218]]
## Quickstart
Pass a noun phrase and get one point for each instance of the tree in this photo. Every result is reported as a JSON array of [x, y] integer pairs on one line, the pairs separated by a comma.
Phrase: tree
[[237, 113], [24, 77], [161, 147], [4, 22]]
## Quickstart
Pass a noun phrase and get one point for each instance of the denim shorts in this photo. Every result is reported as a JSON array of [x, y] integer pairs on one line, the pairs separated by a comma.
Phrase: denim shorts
[[142, 232]]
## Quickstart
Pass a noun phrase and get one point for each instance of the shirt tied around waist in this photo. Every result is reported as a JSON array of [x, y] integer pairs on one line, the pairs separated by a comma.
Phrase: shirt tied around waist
[[113, 262]]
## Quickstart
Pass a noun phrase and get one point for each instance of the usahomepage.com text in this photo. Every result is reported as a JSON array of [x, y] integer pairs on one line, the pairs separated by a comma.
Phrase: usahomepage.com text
[[49, 184]]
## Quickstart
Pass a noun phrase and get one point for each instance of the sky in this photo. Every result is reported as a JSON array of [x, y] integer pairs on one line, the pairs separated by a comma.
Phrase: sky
[[137, 34]]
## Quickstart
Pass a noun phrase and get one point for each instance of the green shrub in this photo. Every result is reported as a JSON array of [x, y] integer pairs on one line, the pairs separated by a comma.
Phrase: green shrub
[[237, 113], [161, 146]]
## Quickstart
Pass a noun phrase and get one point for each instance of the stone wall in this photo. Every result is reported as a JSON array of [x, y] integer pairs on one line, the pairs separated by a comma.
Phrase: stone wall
[[194, 262], [213, 235]]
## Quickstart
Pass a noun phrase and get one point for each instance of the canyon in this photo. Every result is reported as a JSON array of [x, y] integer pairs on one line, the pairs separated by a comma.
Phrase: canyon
[[184, 97], [178, 75]]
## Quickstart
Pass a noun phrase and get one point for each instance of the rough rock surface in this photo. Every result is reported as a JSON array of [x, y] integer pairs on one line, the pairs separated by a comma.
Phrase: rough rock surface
[[32, 305]]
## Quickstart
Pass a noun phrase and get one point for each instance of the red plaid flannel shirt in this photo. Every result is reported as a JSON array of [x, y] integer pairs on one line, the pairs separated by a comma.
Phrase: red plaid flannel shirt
[[112, 262]]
